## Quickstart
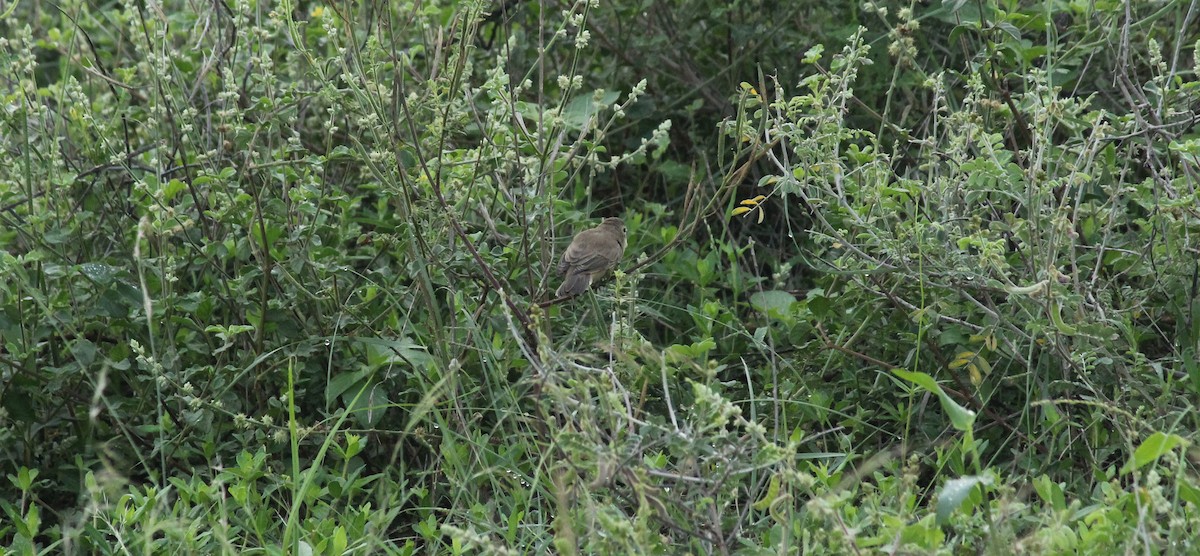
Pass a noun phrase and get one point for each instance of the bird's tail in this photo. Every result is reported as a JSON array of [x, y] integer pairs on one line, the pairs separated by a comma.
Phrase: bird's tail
[[574, 284]]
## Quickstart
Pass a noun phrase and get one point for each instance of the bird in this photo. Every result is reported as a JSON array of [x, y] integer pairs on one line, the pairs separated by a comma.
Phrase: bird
[[590, 256]]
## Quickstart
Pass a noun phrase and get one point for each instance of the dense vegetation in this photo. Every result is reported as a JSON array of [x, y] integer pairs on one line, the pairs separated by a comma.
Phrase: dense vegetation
[[901, 278]]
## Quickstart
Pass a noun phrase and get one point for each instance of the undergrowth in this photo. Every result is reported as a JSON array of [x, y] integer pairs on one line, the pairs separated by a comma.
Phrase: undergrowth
[[900, 279]]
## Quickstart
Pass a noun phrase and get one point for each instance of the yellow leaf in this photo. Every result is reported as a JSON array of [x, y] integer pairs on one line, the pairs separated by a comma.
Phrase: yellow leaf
[[761, 215], [961, 359], [760, 198], [976, 378], [740, 210], [749, 202]]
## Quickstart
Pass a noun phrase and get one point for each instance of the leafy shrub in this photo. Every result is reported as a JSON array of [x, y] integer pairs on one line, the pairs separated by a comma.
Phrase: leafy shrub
[[278, 276]]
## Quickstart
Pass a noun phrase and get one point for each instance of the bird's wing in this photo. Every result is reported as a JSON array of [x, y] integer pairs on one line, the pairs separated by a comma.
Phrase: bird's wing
[[588, 262], [577, 259]]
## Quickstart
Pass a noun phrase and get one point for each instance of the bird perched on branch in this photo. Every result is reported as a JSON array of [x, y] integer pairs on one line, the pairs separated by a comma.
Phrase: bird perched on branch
[[591, 255]]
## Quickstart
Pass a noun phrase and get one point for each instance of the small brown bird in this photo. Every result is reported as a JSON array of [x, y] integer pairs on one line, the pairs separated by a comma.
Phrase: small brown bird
[[591, 255]]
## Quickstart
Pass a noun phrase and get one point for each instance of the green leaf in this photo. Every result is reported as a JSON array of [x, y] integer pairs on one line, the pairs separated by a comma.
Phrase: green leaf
[[585, 106], [1189, 493], [818, 303], [1051, 492], [1057, 319], [339, 541], [814, 54], [955, 493], [340, 383], [775, 303], [962, 418], [24, 479], [173, 188], [772, 492], [680, 353], [84, 351], [399, 351], [920, 379], [1151, 449], [99, 273]]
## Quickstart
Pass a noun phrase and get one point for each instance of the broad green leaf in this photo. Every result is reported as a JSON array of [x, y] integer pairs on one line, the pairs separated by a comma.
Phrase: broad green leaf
[[775, 304], [586, 106], [1151, 449], [955, 493], [340, 383], [1189, 493]]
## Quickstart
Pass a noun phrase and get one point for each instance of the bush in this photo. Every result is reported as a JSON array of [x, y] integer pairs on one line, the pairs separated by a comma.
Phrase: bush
[[279, 278]]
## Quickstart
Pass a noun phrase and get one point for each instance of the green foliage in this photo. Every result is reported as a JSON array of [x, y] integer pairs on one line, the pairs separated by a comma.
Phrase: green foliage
[[278, 278]]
